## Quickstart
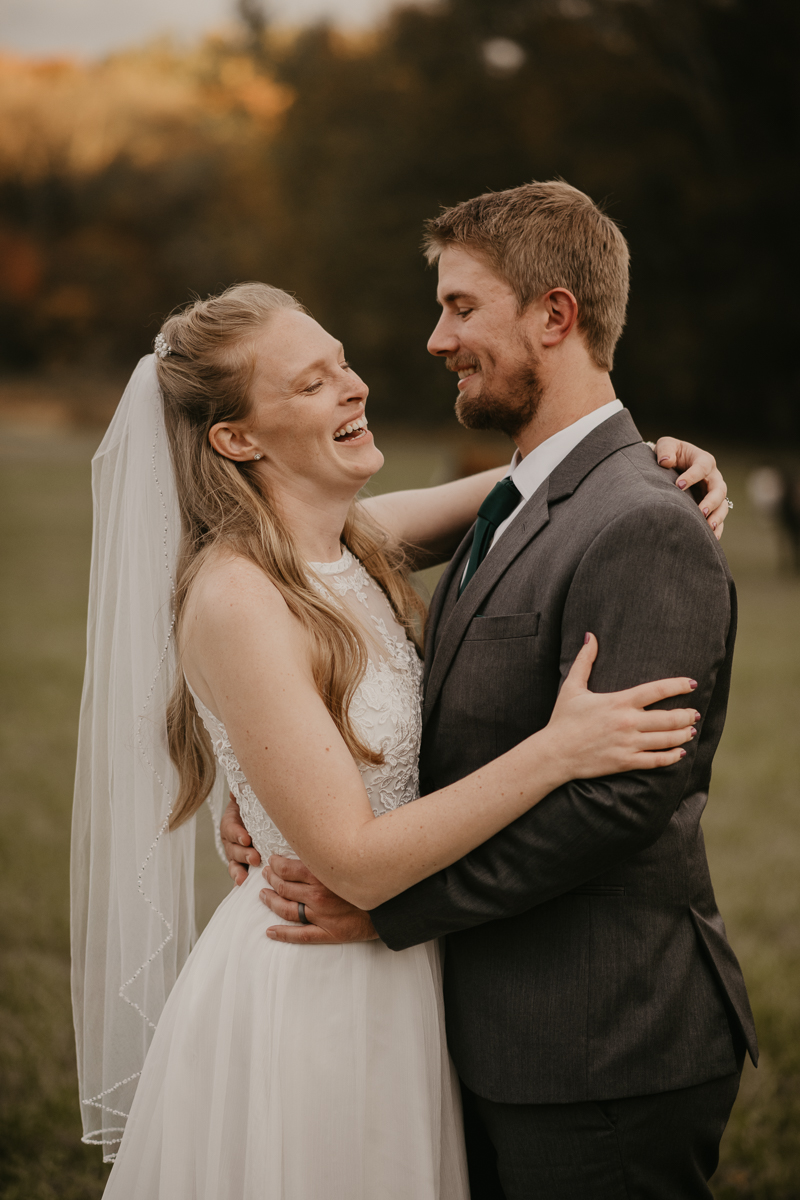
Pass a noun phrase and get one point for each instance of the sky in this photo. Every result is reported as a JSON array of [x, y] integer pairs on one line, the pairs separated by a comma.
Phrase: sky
[[91, 28]]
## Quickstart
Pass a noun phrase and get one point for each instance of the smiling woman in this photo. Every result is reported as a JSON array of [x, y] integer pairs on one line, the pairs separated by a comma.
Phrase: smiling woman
[[265, 477], [306, 406]]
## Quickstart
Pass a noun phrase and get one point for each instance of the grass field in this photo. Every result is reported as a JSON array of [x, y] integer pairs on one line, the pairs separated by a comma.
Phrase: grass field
[[752, 826]]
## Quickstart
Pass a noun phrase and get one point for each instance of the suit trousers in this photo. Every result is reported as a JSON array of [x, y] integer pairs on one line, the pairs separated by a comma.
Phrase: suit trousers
[[659, 1147]]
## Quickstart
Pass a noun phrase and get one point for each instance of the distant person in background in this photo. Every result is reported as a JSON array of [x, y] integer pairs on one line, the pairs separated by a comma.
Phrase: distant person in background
[[776, 493], [596, 1012]]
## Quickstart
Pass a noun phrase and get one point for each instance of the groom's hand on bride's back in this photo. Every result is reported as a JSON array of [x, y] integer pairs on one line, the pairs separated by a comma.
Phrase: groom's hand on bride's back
[[239, 849], [331, 919]]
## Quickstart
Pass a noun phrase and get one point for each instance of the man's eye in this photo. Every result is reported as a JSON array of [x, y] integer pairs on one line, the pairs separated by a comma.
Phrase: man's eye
[[464, 312]]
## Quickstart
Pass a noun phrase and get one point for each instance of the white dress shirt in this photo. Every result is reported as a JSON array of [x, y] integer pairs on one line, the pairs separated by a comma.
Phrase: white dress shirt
[[528, 473]]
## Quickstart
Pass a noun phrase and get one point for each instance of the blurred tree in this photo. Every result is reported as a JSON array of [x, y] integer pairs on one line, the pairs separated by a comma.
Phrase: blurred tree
[[130, 183], [313, 161]]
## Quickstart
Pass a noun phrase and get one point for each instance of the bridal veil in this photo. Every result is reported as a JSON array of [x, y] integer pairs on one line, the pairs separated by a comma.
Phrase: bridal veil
[[132, 888]]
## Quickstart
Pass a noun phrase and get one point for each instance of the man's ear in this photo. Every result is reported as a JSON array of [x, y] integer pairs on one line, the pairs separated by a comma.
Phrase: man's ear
[[232, 442], [561, 316]]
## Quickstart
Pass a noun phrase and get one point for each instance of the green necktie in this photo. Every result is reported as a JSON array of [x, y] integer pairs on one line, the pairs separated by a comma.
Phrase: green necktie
[[499, 504]]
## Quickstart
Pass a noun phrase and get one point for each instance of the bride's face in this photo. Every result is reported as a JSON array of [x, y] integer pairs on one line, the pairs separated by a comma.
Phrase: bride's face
[[304, 397]]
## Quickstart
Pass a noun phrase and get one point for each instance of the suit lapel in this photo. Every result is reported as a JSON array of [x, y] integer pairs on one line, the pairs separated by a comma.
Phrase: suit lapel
[[444, 597], [453, 618], [534, 516]]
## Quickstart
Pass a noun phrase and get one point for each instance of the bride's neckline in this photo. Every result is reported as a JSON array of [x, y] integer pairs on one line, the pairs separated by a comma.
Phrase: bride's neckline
[[334, 568]]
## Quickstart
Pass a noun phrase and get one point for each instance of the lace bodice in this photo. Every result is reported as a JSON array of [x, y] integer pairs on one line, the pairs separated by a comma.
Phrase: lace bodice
[[385, 709]]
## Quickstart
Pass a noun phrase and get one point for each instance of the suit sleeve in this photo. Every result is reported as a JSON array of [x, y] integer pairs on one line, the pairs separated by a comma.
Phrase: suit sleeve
[[654, 590]]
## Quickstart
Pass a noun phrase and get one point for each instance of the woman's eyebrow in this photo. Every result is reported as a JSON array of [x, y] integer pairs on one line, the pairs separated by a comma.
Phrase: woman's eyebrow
[[319, 364]]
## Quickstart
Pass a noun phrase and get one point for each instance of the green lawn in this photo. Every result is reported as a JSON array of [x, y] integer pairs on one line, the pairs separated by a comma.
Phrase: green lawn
[[752, 827]]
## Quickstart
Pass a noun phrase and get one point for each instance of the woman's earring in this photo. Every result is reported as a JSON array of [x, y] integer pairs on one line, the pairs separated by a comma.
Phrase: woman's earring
[[257, 457]]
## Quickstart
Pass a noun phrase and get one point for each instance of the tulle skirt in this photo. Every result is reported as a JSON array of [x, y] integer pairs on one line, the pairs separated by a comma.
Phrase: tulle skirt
[[284, 1072]]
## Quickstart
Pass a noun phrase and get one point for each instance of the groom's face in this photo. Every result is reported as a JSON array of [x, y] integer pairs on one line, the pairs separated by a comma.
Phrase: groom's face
[[483, 337]]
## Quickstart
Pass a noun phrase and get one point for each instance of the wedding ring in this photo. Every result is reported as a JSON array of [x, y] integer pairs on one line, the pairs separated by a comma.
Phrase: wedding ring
[[301, 913], [729, 503]]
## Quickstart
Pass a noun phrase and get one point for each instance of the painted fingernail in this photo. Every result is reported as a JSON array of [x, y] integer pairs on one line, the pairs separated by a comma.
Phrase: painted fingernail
[[694, 732], [705, 512], [683, 754], [697, 716], [681, 484], [693, 683], [586, 637]]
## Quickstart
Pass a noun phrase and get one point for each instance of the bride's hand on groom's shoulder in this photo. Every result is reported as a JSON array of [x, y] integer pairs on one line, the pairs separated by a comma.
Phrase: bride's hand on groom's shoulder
[[699, 470], [331, 920]]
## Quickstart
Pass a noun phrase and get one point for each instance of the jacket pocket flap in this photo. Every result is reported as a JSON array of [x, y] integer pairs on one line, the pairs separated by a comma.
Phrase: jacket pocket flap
[[515, 625], [599, 889]]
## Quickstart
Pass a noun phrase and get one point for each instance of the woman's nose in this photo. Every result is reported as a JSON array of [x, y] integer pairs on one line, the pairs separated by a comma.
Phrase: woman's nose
[[358, 389]]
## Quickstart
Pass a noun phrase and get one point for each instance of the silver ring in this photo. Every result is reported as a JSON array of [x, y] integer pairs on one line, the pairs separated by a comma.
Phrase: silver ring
[[729, 503], [301, 912]]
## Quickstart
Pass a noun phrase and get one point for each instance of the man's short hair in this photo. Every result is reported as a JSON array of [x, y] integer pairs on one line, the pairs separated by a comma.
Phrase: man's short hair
[[541, 236]]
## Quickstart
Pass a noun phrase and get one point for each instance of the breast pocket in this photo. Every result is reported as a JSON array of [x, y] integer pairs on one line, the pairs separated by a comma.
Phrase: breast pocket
[[493, 688], [503, 628]]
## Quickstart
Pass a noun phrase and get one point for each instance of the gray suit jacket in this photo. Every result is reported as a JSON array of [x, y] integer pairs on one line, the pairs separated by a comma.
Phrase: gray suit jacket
[[585, 957]]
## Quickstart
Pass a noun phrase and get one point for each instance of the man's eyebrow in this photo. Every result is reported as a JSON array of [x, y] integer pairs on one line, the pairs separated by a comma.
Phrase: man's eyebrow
[[451, 297]]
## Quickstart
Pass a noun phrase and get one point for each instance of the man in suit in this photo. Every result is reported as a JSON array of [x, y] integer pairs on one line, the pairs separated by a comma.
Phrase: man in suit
[[595, 1011]]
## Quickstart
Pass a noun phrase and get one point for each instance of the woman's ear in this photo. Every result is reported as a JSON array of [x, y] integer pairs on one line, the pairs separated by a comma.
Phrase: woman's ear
[[561, 316], [232, 442]]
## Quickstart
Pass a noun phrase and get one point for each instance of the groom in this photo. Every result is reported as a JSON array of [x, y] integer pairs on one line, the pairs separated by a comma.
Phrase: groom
[[596, 1013]]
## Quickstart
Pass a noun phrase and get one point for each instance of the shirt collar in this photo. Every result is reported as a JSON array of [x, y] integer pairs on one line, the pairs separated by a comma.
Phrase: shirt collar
[[529, 472]]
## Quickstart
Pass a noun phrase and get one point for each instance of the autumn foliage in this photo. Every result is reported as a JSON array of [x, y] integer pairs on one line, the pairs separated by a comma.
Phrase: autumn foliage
[[311, 161]]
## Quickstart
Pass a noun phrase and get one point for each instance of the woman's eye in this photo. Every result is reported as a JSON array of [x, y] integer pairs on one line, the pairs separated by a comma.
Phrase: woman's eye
[[313, 387], [345, 366]]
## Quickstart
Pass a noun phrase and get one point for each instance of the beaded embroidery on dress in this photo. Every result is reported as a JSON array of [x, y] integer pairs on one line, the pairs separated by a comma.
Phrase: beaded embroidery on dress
[[290, 1072], [385, 708]]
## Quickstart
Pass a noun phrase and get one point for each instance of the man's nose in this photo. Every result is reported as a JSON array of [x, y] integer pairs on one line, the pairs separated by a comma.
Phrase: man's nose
[[443, 341]]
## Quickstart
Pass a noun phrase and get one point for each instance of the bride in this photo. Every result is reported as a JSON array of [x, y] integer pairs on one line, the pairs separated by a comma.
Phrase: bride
[[248, 614]]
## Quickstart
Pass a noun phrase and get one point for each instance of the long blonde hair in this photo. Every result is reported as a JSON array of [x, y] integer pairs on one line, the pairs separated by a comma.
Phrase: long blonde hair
[[206, 380]]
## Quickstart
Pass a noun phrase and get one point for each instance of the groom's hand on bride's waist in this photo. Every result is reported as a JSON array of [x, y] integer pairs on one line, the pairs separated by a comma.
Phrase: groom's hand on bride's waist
[[330, 919]]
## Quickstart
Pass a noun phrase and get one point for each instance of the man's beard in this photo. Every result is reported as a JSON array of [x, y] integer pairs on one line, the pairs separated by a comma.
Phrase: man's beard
[[508, 411]]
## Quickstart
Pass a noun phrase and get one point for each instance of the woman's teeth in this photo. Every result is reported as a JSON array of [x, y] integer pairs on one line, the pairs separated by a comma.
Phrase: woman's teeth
[[356, 427]]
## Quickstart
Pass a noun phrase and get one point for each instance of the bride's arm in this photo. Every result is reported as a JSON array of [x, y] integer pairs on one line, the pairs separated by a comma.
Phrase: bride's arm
[[431, 522], [247, 658]]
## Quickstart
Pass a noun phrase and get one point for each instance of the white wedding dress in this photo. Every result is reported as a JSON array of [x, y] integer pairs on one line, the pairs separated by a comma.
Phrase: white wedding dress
[[286, 1072]]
